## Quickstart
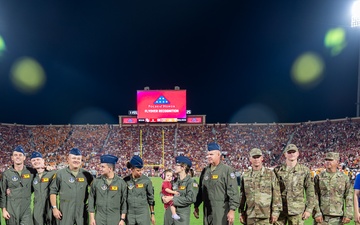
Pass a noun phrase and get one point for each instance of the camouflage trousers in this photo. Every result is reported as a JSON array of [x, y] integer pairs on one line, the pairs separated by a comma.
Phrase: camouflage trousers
[[290, 220], [255, 221], [330, 220]]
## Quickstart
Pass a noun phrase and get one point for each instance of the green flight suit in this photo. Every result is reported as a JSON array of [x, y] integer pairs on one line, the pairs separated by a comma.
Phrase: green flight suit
[[294, 183], [73, 195], [188, 189], [108, 202], [140, 197], [260, 196], [17, 203], [334, 196], [219, 191], [42, 213]]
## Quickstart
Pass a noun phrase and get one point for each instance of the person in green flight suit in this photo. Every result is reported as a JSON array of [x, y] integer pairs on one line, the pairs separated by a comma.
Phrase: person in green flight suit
[[140, 195], [42, 214], [218, 190], [108, 193], [16, 190], [71, 184], [187, 188]]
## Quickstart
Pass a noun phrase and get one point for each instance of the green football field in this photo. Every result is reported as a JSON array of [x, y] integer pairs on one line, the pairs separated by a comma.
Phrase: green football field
[[159, 208]]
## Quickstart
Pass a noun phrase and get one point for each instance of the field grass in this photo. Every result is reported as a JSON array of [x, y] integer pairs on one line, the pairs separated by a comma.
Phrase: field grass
[[159, 208]]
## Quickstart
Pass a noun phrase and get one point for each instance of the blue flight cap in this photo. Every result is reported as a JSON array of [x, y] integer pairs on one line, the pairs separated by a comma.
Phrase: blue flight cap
[[75, 151], [35, 155], [137, 162], [20, 149], [108, 159], [213, 146], [183, 159]]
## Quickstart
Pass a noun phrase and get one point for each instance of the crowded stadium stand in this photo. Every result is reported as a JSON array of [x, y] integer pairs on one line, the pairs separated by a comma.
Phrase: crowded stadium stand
[[159, 143]]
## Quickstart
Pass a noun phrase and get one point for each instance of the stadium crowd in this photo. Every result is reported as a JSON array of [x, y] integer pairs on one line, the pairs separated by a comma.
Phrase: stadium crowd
[[314, 139]]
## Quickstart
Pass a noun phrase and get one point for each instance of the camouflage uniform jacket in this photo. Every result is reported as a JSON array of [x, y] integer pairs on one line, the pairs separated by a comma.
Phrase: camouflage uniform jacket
[[260, 195], [332, 191], [293, 182]]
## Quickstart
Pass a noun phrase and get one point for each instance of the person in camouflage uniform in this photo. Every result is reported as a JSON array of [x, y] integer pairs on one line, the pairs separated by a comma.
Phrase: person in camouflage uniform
[[42, 214], [218, 189], [333, 191], [16, 190], [260, 197], [295, 179], [108, 193]]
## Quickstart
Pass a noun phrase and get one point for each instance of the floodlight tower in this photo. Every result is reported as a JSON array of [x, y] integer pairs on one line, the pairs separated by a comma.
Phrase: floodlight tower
[[355, 22]]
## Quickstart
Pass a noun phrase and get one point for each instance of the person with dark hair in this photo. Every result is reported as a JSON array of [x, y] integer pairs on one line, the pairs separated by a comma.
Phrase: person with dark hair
[[71, 184], [17, 182], [42, 214], [187, 188], [140, 192], [218, 190], [108, 193]]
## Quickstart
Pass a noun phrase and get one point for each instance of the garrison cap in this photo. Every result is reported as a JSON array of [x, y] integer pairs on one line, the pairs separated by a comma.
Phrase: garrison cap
[[108, 159], [35, 155], [213, 146], [20, 149], [332, 156], [255, 152], [137, 162], [75, 151], [291, 147], [183, 159]]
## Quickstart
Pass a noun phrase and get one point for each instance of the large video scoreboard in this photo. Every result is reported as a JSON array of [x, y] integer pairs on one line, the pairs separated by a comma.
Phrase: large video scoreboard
[[161, 106]]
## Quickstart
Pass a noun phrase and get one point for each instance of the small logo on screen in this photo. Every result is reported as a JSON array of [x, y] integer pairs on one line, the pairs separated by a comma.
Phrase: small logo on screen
[[161, 100]]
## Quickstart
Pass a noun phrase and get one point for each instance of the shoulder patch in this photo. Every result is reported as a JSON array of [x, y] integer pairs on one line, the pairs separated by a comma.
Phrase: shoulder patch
[[232, 175], [195, 185], [54, 176]]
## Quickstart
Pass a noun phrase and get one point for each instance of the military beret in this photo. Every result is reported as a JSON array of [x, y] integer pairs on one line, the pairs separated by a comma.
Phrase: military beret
[[75, 151], [183, 159], [213, 146], [108, 159], [255, 152], [137, 162], [20, 149], [332, 156], [291, 147], [35, 155]]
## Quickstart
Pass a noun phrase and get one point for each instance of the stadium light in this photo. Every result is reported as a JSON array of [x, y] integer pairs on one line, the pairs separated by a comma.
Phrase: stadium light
[[355, 22]]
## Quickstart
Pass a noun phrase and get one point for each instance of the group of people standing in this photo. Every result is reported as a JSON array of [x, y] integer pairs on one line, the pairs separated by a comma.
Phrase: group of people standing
[[285, 195]]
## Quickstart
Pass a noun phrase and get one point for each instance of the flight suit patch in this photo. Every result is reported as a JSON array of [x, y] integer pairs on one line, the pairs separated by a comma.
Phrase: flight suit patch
[[35, 182], [14, 178], [139, 185], [195, 185], [71, 180], [44, 180], [232, 175], [182, 187], [26, 176], [214, 177], [113, 188], [104, 187], [80, 179]]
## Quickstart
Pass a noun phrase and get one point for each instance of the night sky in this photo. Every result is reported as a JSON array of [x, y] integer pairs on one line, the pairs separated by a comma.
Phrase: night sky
[[234, 58]]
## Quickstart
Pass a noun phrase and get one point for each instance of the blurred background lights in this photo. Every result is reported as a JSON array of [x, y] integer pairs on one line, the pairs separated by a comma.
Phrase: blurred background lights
[[27, 75], [2, 46], [335, 40], [307, 70]]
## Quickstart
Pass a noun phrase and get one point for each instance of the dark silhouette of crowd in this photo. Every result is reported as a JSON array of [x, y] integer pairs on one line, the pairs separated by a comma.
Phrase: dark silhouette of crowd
[[159, 143]]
